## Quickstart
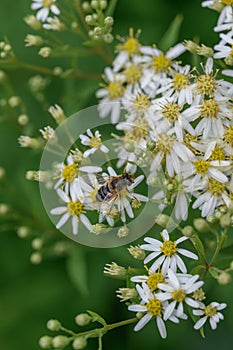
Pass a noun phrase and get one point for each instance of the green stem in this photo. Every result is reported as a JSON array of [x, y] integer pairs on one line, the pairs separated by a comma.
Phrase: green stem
[[111, 7], [220, 243]]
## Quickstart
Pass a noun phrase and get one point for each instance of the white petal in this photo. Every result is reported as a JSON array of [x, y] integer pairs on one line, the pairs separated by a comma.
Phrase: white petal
[[58, 210], [63, 220]]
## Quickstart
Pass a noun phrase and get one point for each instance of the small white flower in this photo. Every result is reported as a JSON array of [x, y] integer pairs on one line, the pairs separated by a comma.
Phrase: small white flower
[[48, 133], [74, 208], [152, 308], [44, 7], [210, 312], [94, 142], [177, 290], [111, 95], [168, 252]]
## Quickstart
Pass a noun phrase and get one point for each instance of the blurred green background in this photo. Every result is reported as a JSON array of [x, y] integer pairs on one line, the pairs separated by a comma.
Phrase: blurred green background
[[30, 295]]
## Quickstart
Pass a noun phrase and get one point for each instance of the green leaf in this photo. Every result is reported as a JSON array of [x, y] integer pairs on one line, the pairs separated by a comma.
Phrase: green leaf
[[171, 35], [111, 7], [97, 318], [198, 245], [197, 269], [77, 270]]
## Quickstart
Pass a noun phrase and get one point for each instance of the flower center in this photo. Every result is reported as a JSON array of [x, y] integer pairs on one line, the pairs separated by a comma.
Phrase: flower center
[[164, 143], [132, 73], [201, 166], [94, 142], [161, 63], [229, 58], [199, 294], [210, 310], [228, 137], [132, 46], [115, 89], [69, 172], [227, 2], [47, 3], [209, 109], [141, 128], [205, 84], [178, 295], [216, 187], [217, 154], [168, 248], [180, 81], [75, 208], [188, 138], [141, 103], [154, 279], [154, 307], [171, 111]]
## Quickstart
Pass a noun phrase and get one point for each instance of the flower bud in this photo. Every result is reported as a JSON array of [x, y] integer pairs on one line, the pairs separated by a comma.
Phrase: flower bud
[[37, 243], [224, 278], [108, 21], [33, 22], [90, 20], [45, 342], [45, 51], [86, 6], [211, 219], [23, 119], [57, 113], [60, 341], [225, 221], [205, 51], [83, 319], [33, 40], [115, 270], [2, 173], [126, 293], [53, 325], [14, 101], [103, 4], [108, 38], [4, 209], [36, 258], [123, 232], [79, 343], [137, 252], [162, 220], [23, 232], [188, 231], [191, 46], [201, 225]]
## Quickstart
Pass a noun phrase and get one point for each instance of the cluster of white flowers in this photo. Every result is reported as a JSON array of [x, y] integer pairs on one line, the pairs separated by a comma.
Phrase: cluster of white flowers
[[223, 50], [85, 188], [44, 8], [166, 288], [175, 119]]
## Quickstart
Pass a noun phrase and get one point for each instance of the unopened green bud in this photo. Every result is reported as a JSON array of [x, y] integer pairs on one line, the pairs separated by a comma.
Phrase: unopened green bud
[[33, 22], [137, 252], [45, 51], [53, 325], [89, 20], [95, 4], [37, 243], [201, 225], [162, 220], [86, 6], [60, 341], [108, 38], [108, 21], [83, 319], [23, 119], [103, 4], [79, 343], [14, 101], [45, 342], [188, 231], [225, 221], [36, 258], [224, 278], [211, 219], [123, 232], [4, 209], [23, 231]]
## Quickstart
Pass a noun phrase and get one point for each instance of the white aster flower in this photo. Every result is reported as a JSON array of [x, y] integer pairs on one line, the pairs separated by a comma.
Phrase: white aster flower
[[210, 312], [111, 95], [166, 253], [44, 7], [171, 151], [152, 308], [74, 208], [178, 291], [224, 48], [178, 84], [94, 142]]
